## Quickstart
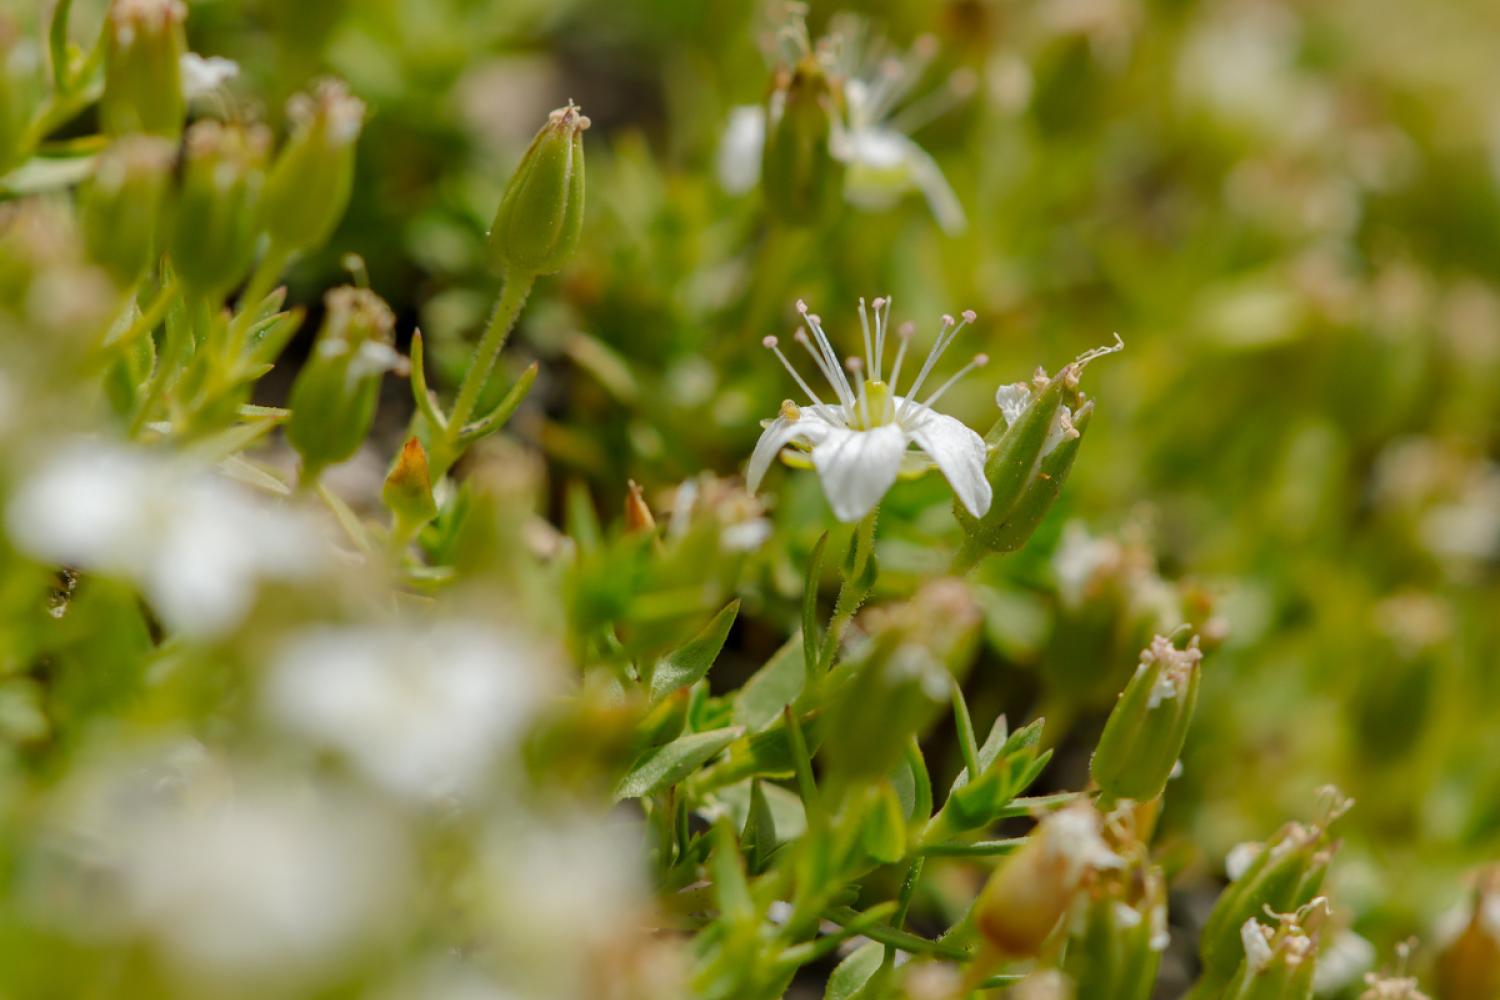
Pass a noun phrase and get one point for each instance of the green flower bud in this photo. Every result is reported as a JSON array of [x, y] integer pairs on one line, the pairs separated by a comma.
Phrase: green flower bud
[[540, 218], [1284, 875], [217, 216], [122, 206], [334, 398], [1145, 732], [1279, 961], [408, 490], [1029, 893], [801, 178], [144, 44], [309, 186]]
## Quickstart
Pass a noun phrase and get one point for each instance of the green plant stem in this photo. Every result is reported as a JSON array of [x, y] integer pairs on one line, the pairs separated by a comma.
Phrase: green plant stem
[[968, 556], [852, 591], [806, 783], [502, 320]]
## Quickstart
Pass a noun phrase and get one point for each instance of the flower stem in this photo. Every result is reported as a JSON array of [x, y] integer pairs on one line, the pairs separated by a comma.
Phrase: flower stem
[[512, 298], [854, 589]]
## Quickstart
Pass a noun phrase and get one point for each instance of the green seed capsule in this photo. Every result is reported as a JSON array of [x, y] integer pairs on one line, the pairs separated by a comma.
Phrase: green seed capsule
[[334, 398], [1145, 732], [1120, 935], [540, 219], [144, 44], [309, 186], [801, 178], [122, 205], [217, 217]]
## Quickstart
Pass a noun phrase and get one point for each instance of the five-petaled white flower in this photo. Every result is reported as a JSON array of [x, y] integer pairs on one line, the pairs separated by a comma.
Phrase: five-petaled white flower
[[861, 442]]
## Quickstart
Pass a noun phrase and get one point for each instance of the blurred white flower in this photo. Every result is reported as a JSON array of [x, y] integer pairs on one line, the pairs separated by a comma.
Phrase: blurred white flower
[[1080, 558], [234, 875], [423, 711], [204, 76], [195, 544], [860, 444], [872, 136]]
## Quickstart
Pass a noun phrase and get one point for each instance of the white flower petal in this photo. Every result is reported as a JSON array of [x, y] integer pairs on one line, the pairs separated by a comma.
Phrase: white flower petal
[[857, 467], [960, 454], [201, 77], [928, 178], [1012, 400], [739, 149], [810, 426]]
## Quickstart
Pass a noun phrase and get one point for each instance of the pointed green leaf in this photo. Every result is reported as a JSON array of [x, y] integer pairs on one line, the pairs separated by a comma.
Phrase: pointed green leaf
[[772, 688], [689, 663], [662, 767], [854, 973]]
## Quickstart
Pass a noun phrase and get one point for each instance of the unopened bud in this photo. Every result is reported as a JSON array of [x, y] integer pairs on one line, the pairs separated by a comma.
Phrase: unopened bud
[[407, 492], [638, 517], [334, 398], [217, 217], [122, 206], [144, 41], [801, 178], [309, 186], [540, 219], [1469, 965], [1145, 732], [1025, 899]]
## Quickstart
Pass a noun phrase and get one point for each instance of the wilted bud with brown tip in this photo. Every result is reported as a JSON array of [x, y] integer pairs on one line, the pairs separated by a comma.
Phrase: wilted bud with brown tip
[[1468, 968], [638, 517], [144, 41], [1029, 893], [408, 491]]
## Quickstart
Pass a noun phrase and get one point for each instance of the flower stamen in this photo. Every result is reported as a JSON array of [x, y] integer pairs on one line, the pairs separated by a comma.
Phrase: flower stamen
[[978, 361], [770, 343]]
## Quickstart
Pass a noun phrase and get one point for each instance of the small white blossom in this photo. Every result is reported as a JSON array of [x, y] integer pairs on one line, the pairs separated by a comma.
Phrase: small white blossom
[[860, 443], [872, 135], [422, 711], [1345, 959], [204, 76], [196, 544]]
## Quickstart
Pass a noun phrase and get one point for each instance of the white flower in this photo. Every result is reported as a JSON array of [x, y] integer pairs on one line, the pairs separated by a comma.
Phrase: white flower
[[204, 76], [422, 711], [195, 544], [238, 875], [1240, 857], [872, 136], [860, 443], [1072, 835]]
